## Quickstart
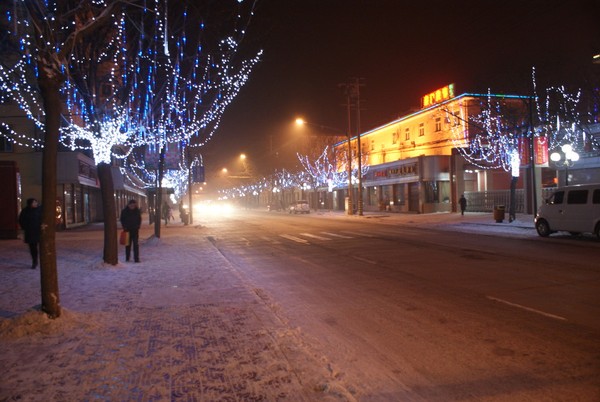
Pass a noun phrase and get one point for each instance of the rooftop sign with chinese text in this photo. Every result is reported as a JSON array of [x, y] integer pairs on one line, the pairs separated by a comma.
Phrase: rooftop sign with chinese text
[[437, 96]]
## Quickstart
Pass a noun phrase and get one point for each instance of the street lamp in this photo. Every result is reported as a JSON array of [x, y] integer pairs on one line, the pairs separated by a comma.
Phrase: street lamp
[[570, 157], [245, 166], [301, 122]]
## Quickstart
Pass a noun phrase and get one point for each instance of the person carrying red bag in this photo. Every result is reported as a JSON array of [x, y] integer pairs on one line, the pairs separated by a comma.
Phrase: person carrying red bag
[[131, 220]]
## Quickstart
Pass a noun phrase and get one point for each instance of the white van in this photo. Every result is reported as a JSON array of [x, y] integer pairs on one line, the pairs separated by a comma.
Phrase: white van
[[575, 209]]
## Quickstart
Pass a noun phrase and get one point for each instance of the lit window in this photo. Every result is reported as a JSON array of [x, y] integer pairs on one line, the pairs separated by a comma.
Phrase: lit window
[[395, 137], [438, 124], [421, 129], [407, 134]]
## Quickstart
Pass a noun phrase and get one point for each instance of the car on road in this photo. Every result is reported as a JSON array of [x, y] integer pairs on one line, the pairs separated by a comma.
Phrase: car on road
[[574, 209], [300, 207]]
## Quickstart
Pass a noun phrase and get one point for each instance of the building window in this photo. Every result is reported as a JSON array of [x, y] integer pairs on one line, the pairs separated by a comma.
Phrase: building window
[[431, 191], [372, 145], [372, 196], [438, 124], [5, 144], [395, 137], [437, 191], [421, 129], [407, 134]]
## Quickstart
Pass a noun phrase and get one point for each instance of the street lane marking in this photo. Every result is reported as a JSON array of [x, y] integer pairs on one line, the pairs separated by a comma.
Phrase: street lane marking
[[556, 317], [294, 238], [314, 236], [269, 240], [358, 234], [338, 235], [364, 260]]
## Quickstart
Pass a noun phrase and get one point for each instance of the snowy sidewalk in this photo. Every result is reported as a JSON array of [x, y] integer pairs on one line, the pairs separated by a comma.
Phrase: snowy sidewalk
[[180, 325]]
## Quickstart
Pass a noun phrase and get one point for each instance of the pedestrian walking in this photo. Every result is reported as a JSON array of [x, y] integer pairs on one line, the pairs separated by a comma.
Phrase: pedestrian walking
[[183, 214], [30, 220], [166, 212], [131, 220], [463, 204]]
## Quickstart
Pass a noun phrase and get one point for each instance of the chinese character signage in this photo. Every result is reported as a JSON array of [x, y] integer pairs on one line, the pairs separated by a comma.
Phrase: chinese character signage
[[540, 145], [437, 96]]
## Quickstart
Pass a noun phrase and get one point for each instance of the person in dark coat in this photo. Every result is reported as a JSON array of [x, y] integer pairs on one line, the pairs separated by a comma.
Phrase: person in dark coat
[[131, 220], [30, 220], [166, 212], [463, 204]]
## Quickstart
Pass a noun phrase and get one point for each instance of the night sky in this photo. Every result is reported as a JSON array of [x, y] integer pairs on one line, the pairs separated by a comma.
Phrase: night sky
[[401, 50]]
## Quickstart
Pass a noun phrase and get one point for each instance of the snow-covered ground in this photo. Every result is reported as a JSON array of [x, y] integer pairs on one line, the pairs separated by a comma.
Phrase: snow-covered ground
[[180, 325]]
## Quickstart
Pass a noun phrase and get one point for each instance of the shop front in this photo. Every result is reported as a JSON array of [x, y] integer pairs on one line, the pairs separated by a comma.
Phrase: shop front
[[417, 185], [78, 191]]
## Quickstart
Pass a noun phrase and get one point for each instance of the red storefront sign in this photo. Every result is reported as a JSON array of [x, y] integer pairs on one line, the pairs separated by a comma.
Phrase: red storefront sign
[[540, 145]]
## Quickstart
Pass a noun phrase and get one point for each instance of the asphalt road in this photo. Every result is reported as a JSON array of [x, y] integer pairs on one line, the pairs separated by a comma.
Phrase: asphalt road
[[404, 312]]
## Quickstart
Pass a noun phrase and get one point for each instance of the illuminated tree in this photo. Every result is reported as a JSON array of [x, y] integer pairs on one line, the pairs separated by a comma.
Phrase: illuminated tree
[[87, 87], [507, 127], [43, 35], [506, 124], [141, 82], [322, 172]]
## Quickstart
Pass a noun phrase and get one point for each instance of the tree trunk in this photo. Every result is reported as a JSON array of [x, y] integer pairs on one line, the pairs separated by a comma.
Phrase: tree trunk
[[159, 208], [107, 190], [513, 199], [49, 87]]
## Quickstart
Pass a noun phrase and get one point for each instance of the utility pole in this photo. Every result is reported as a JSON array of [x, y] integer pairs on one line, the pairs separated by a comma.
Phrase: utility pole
[[352, 91], [350, 210], [356, 90]]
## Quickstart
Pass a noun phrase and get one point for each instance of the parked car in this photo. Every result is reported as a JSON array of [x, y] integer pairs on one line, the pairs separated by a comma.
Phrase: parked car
[[300, 207], [574, 209]]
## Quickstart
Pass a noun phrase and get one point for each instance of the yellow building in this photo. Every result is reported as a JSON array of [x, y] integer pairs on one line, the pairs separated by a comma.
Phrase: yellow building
[[415, 163]]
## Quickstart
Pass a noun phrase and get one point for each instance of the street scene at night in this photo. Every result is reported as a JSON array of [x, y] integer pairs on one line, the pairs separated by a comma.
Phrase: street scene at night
[[282, 200]]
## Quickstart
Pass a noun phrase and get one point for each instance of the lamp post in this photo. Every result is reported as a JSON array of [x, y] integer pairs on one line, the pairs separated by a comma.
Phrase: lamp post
[[301, 122], [570, 157]]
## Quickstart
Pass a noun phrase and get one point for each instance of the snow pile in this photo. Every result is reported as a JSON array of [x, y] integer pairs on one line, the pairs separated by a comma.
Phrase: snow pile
[[35, 322]]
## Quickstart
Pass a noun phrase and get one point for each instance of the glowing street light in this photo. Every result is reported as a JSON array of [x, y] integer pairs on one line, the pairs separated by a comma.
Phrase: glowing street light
[[570, 157]]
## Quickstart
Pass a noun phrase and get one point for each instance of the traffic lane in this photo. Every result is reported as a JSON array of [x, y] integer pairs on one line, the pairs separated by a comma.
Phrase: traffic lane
[[556, 280], [559, 281], [406, 330]]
